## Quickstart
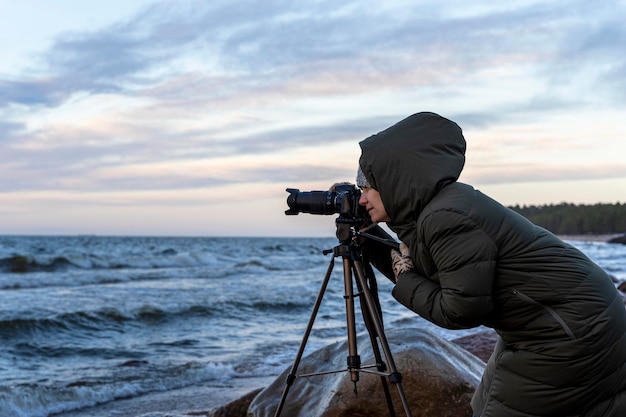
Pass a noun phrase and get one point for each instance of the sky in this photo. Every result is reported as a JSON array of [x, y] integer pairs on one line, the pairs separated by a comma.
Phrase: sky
[[190, 118]]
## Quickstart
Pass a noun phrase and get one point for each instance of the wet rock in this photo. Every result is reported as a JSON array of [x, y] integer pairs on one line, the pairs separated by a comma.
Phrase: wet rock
[[479, 344], [237, 408], [439, 379], [133, 363], [622, 290], [618, 239]]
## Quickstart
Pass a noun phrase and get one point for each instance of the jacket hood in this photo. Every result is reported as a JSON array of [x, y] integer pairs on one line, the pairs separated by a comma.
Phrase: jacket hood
[[410, 162]]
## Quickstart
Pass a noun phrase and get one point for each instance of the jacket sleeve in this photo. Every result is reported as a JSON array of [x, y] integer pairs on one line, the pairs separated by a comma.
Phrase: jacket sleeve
[[457, 293]]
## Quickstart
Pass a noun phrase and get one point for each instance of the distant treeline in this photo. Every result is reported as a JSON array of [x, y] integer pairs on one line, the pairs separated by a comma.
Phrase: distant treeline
[[572, 219]]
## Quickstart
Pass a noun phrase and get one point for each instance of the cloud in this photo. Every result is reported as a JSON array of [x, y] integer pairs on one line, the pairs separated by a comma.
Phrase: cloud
[[8, 129], [349, 48], [489, 174], [187, 84], [87, 159]]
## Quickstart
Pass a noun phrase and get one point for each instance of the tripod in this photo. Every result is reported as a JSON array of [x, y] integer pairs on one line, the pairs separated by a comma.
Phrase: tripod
[[353, 266]]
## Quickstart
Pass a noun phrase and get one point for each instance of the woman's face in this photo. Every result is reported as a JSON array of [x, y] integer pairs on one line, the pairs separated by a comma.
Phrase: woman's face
[[370, 199]]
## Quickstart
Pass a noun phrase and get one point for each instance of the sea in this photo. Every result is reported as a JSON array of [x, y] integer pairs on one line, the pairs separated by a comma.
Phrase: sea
[[150, 326]]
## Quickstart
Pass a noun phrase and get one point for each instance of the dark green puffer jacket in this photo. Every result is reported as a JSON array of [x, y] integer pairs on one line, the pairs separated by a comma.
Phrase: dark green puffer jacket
[[561, 322]]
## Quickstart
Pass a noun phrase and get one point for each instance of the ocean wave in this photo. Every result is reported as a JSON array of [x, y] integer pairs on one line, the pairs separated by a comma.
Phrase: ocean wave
[[124, 381], [91, 322], [27, 265], [35, 254], [280, 306], [24, 264], [105, 319]]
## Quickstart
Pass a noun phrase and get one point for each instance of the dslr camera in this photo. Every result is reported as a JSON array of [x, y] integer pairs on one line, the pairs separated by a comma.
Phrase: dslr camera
[[342, 199]]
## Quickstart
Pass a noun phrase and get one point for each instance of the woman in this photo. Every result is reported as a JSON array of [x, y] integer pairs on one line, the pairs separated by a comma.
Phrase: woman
[[469, 261]]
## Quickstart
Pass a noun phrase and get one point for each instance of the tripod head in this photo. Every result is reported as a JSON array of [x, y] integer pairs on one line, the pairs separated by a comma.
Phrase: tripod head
[[350, 238]]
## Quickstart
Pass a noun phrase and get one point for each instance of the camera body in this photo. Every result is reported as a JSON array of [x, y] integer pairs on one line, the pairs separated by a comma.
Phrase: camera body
[[342, 199]]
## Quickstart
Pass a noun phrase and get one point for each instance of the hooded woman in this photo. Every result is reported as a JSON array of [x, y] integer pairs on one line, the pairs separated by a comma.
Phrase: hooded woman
[[469, 261]]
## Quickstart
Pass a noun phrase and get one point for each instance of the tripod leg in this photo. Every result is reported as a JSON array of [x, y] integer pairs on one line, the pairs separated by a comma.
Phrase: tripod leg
[[294, 368], [369, 325], [354, 360], [395, 376]]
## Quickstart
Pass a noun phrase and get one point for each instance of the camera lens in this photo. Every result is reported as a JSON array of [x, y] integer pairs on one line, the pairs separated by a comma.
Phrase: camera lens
[[314, 202]]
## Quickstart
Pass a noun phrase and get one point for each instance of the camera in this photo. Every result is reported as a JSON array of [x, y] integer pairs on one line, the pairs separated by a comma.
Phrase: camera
[[343, 199]]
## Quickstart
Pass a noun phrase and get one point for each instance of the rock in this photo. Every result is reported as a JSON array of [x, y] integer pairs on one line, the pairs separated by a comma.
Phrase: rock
[[622, 291], [618, 239], [479, 344], [237, 408], [439, 379]]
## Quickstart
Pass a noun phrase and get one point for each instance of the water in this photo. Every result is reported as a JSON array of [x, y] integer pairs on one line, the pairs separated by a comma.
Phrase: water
[[89, 320]]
